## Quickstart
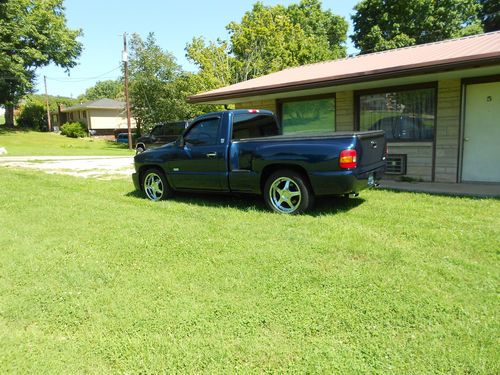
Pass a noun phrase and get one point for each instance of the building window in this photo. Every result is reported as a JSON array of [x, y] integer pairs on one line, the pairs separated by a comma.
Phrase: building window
[[405, 115], [311, 115]]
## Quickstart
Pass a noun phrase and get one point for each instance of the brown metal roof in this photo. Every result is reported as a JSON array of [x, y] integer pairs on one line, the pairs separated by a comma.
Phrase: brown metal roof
[[431, 57]]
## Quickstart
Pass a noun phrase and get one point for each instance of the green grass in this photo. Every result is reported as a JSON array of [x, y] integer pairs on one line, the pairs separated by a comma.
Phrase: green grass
[[96, 279], [30, 143], [2, 119]]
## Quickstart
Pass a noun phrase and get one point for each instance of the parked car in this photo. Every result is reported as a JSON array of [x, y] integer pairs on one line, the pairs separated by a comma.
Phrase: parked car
[[243, 151], [403, 127], [123, 138], [160, 135]]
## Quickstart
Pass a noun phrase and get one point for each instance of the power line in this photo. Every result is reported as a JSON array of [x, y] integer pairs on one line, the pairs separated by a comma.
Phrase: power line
[[82, 79]]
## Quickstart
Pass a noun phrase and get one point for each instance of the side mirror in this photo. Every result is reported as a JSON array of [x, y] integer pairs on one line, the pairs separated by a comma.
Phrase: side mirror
[[182, 142]]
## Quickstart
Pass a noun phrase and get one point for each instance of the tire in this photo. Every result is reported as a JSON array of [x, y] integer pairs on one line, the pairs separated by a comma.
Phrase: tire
[[155, 185], [139, 150], [288, 192]]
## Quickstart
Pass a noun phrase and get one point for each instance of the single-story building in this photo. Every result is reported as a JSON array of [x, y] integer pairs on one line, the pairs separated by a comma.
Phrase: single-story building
[[104, 117], [439, 104]]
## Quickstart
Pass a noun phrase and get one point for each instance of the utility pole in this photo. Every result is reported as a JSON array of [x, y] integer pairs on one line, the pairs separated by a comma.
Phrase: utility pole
[[49, 121], [127, 103]]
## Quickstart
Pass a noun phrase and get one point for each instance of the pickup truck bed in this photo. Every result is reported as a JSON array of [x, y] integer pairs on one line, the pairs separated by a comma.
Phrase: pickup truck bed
[[289, 170]]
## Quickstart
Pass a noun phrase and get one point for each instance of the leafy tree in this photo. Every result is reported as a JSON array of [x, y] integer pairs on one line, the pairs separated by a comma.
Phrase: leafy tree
[[152, 75], [386, 24], [489, 13], [33, 110], [327, 31], [110, 89], [33, 33], [217, 67], [271, 38]]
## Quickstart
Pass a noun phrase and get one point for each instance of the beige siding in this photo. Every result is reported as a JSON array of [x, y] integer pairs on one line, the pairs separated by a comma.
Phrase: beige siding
[[447, 130], [108, 119], [270, 105], [418, 158], [344, 109]]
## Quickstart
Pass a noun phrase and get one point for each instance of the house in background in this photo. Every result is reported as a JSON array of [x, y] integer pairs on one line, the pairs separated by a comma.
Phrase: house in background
[[103, 117], [439, 104]]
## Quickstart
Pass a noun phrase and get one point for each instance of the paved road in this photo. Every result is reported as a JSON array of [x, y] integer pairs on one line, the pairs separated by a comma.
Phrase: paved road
[[102, 167]]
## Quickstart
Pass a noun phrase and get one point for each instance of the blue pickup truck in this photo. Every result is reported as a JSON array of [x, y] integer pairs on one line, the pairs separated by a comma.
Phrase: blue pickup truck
[[244, 151]]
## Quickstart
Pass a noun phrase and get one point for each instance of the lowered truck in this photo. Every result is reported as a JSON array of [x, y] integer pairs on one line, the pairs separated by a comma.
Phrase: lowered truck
[[244, 151]]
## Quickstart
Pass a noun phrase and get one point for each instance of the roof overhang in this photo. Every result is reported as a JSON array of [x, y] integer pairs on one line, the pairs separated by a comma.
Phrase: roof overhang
[[476, 61]]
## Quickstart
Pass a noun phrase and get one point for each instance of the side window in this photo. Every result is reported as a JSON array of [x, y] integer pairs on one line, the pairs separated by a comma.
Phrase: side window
[[251, 125], [204, 132], [157, 130]]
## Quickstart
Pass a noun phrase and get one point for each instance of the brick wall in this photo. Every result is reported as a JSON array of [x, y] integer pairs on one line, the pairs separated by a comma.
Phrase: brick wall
[[418, 158], [344, 107], [270, 105], [447, 130]]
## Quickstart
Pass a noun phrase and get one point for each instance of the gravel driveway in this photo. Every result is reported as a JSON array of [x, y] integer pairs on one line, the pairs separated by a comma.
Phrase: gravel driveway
[[100, 167]]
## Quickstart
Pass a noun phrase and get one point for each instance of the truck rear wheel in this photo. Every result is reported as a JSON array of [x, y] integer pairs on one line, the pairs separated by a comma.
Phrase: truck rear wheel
[[287, 192]]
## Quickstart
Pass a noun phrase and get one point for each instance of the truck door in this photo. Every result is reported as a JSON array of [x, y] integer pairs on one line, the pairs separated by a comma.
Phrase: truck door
[[200, 163]]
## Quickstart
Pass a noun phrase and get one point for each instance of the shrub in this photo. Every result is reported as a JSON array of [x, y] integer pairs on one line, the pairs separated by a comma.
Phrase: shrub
[[74, 130], [33, 116]]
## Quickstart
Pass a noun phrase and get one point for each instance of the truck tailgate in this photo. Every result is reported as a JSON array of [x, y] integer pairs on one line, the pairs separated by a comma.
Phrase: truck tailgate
[[372, 150]]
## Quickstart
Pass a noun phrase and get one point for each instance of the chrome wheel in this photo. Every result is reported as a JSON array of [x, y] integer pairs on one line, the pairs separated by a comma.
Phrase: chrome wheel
[[285, 195], [153, 186]]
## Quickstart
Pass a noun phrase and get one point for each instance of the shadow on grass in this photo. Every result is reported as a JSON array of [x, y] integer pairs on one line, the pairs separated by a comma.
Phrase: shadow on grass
[[12, 130], [456, 195], [323, 205]]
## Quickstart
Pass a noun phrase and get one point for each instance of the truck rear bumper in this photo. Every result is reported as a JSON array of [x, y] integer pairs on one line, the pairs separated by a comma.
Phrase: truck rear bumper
[[344, 182]]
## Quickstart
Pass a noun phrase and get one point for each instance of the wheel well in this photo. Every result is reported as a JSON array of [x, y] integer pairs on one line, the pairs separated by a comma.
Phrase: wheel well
[[270, 169], [143, 170]]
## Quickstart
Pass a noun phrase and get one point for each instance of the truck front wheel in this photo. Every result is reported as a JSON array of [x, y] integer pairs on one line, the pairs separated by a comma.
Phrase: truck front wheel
[[155, 185], [287, 192]]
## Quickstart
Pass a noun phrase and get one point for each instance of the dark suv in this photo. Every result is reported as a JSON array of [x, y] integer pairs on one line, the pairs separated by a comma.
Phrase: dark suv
[[160, 135]]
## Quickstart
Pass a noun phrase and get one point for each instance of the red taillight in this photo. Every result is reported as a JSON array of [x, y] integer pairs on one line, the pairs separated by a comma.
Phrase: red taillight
[[253, 111], [348, 159]]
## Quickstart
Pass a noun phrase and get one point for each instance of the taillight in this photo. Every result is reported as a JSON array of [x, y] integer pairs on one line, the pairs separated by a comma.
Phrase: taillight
[[348, 159]]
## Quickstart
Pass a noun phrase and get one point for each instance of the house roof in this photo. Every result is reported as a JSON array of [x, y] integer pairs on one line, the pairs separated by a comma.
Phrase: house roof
[[96, 104], [425, 58]]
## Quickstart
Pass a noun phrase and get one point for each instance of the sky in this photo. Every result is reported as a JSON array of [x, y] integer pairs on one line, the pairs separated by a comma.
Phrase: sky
[[174, 23]]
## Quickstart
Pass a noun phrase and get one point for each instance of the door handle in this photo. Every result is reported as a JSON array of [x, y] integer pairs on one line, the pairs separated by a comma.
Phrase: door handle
[[466, 139], [211, 155]]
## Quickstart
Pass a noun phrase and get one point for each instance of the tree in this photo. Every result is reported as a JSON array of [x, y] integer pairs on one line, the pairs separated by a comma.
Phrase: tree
[[33, 110], [33, 33], [386, 24], [217, 67], [489, 13], [272, 38], [327, 31], [110, 89], [152, 73]]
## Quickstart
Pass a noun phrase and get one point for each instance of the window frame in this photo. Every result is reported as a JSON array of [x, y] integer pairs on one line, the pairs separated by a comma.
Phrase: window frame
[[380, 90], [280, 102]]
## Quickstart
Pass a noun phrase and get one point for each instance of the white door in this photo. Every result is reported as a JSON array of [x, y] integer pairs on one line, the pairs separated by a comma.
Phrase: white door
[[481, 156]]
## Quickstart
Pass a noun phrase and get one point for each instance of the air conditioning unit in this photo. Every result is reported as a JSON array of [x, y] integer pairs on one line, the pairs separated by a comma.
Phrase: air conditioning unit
[[396, 164]]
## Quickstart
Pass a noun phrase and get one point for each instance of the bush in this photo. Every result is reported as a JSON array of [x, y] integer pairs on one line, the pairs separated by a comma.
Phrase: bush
[[33, 116], [74, 130]]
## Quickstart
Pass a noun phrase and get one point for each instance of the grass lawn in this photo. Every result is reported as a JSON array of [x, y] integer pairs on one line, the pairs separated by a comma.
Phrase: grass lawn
[[95, 279], [29, 143]]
